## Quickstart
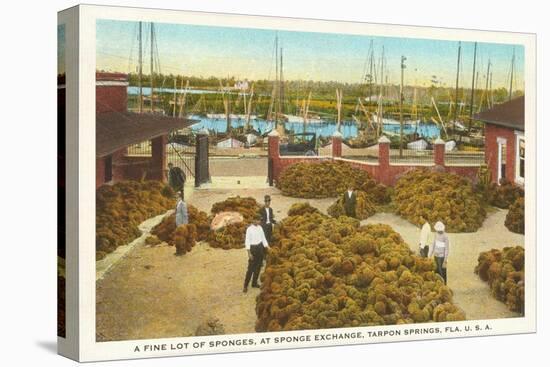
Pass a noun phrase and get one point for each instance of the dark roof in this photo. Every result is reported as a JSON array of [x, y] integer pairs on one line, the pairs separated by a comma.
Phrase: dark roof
[[509, 114], [116, 130]]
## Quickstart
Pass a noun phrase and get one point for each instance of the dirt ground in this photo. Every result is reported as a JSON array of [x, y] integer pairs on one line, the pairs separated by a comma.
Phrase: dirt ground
[[151, 293], [245, 166], [470, 293]]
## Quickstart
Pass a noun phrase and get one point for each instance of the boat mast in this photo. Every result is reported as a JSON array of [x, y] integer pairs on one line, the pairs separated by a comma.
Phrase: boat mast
[[249, 108], [282, 83], [401, 97], [306, 109], [184, 97], [380, 97], [491, 102], [371, 67], [473, 89], [277, 88], [512, 74], [175, 96], [140, 69], [339, 108], [456, 89], [487, 82], [152, 70]]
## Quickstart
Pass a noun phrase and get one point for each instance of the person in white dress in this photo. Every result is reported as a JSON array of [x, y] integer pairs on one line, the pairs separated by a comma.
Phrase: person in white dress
[[181, 211]]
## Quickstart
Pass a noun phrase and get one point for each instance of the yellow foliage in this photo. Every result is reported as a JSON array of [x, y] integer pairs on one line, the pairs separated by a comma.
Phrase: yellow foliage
[[364, 275]]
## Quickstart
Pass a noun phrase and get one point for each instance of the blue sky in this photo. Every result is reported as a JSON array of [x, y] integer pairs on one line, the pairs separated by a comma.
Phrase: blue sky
[[248, 53]]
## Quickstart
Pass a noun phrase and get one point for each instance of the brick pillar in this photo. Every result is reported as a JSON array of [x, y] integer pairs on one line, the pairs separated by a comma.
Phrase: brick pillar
[[273, 156], [439, 152], [158, 159], [384, 174], [337, 144]]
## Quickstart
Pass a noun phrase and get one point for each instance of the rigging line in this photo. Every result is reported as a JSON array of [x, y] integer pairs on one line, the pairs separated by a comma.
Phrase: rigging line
[[134, 38]]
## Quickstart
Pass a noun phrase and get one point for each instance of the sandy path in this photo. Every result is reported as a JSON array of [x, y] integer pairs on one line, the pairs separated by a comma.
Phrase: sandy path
[[152, 294], [470, 293]]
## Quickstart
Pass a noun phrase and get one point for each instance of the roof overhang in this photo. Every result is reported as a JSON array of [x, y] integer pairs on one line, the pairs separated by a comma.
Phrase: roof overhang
[[117, 130]]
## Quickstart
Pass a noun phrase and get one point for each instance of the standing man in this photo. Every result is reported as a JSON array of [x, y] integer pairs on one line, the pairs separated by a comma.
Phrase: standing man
[[176, 177], [440, 250], [268, 220], [350, 202], [255, 244]]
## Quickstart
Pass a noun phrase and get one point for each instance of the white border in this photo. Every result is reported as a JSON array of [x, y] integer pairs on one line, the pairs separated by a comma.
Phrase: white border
[[90, 350]]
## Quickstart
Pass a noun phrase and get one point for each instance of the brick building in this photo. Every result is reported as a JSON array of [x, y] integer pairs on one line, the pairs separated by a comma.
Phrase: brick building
[[117, 129], [505, 140]]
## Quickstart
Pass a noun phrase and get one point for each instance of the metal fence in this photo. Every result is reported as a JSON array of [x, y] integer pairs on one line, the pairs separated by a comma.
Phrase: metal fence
[[142, 149], [369, 154], [464, 158], [412, 156]]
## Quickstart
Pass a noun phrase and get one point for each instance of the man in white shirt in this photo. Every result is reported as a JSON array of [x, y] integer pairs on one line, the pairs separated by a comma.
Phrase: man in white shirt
[[255, 244], [424, 239]]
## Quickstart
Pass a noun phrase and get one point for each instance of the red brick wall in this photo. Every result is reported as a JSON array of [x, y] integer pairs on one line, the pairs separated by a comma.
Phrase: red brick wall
[[135, 167], [119, 170], [383, 171], [111, 98], [492, 133]]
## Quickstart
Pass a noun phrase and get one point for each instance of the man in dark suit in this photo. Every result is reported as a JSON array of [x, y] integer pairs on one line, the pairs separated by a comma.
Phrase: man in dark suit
[[176, 177], [267, 218], [350, 202]]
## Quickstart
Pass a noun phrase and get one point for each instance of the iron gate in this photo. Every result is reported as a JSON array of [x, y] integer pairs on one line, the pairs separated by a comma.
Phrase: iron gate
[[180, 151]]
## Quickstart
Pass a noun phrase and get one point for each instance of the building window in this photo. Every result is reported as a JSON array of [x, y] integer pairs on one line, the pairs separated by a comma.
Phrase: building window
[[520, 167]]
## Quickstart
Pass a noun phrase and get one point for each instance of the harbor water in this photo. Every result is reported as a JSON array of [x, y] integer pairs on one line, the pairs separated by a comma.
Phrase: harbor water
[[325, 129]]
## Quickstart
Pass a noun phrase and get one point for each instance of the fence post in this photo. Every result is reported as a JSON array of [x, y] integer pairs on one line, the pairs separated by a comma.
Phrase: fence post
[[337, 144], [384, 175], [273, 156], [439, 152], [158, 158]]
